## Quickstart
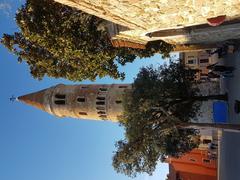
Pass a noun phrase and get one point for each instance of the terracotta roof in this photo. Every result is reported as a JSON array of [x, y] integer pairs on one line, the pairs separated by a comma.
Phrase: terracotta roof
[[34, 99], [125, 43]]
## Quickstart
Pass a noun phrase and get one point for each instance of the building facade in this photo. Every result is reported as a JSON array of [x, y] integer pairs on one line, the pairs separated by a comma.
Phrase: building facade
[[98, 102], [199, 60], [195, 165]]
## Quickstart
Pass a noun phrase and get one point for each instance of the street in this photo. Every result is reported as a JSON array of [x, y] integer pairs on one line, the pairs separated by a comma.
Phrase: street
[[230, 142], [232, 85], [230, 156]]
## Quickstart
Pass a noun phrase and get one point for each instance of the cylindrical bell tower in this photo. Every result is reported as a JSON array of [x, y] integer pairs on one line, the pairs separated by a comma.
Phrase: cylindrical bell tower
[[97, 102]]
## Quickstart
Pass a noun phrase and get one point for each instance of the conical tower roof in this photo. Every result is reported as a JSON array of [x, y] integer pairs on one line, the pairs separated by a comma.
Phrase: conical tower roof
[[35, 99]]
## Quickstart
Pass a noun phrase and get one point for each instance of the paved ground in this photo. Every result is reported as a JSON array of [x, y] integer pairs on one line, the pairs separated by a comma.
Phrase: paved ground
[[230, 143], [232, 85], [230, 156]]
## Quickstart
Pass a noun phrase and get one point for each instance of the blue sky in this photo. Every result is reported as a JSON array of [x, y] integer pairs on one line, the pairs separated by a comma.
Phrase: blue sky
[[36, 145]]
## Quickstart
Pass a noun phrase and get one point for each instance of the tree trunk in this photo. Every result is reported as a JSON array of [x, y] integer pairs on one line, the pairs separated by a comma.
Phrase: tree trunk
[[211, 97], [200, 98], [212, 125]]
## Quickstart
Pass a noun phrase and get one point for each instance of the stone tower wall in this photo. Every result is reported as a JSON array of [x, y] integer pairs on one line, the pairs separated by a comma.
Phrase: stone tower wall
[[98, 102]]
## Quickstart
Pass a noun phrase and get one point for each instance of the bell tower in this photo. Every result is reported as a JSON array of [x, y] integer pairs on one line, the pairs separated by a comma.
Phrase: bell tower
[[98, 102]]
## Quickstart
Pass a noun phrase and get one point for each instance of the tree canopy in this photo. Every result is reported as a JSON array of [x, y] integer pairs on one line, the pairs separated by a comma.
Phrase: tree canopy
[[157, 118], [60, 41]]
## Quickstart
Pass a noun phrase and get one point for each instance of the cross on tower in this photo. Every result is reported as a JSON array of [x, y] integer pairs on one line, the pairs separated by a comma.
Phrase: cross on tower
[[12, 98]]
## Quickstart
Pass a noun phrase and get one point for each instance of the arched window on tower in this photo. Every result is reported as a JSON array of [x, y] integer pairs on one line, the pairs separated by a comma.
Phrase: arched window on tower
[[60, 96], [101, 112], [100, 103], [103, 117], [59, 102], [83, 113], [101, 98], [60, 99], [122, 87]]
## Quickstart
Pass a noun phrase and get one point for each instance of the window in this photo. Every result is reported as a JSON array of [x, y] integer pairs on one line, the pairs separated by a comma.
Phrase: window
[[103, 116], [84, 87], [101, 98], [60, 96], [206, 160], [60, 99], [206, 141], [83, 113], [193, 160], [101, 112], [118, 102], [103, 89], [122, 86], [100, 103], [192, 61], [59, 102], [81, 99], [204, 60]]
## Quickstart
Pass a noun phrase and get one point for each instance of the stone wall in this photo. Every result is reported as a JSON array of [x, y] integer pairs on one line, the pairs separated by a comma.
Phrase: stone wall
[[144, 16], [153, 15]]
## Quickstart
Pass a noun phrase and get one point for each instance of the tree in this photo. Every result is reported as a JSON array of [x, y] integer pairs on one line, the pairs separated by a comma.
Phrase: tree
[[157, 118], [60, 41]]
